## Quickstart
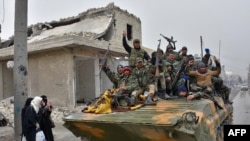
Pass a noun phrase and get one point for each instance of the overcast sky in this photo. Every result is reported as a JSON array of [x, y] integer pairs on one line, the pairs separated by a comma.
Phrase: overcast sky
[[227, 21]]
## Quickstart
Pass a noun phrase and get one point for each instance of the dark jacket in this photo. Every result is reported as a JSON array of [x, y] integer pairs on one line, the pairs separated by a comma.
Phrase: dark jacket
[[30, 121], [46, 123], [26, 105]]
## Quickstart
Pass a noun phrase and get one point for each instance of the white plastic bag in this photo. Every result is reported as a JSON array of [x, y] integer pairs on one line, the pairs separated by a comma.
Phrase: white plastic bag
[[40, 136], [23, 138]]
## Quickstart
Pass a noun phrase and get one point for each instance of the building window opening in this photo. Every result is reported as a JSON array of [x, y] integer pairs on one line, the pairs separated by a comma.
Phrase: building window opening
[[129, 32]]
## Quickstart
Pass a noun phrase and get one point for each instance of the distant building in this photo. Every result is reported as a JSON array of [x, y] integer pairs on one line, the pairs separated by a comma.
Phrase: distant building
[[229, 78], [248, 77], [64, 56]]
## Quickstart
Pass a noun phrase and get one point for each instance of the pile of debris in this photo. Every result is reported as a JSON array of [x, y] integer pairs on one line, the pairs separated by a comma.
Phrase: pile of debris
[[7, 112], [3, 120]]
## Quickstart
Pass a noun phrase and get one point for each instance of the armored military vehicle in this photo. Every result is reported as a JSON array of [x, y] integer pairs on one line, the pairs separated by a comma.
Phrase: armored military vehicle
[[168, 120]]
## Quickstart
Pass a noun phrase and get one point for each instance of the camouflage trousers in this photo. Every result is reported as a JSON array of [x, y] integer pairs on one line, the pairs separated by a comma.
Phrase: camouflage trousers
[[174, 89], [195, 88], [217, 82], [224, 92], [162, 81], [149, 90]]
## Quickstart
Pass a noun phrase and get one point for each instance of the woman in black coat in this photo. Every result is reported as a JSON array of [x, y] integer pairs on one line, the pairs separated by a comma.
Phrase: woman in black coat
[[31, 120], [46, 123], [26, 105]]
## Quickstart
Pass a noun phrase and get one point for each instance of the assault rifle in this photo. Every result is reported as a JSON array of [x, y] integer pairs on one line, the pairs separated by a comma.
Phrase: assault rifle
[[104, 60], [177, 75], [170, 40], [157, 59]]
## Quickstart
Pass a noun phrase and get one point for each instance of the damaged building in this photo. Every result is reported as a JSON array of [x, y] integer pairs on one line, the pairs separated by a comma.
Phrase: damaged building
[[64, 56]]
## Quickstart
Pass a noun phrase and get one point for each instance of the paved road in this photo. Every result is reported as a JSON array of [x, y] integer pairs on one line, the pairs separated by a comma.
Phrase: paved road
[[63, 134], [241, 114]]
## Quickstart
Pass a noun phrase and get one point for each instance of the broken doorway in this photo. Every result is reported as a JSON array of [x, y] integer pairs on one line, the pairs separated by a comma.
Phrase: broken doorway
[[86, 80]]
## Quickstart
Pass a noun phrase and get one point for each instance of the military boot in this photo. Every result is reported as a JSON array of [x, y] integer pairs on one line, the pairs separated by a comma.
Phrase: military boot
[[132, 101], [166, 96], [160, 95], [149, 100]]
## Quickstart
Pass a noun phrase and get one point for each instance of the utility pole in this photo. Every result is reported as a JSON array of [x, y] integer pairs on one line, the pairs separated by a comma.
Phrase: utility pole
[[20, 63]]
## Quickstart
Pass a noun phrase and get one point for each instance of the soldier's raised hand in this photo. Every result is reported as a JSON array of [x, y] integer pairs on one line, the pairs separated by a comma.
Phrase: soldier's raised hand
[[124, 34]]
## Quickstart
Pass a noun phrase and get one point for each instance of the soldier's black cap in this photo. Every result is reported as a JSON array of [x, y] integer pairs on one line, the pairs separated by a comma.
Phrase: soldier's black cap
[[184, 48], [190, 57], [136, 41]]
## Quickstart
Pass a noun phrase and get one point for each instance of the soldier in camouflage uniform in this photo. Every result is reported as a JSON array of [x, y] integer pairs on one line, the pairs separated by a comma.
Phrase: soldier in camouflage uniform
[[114, 76], [169, 75], [183, 53], [192, 66], [127, 85], [170, 49], [161, 84], [146, 79], [172, 60], [135, 52]]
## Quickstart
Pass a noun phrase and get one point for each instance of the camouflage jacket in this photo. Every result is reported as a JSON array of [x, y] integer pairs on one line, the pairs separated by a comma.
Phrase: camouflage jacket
[[130, 82], [176, 64], [176, 54], [145, 76], [169, 74], [113, 77]]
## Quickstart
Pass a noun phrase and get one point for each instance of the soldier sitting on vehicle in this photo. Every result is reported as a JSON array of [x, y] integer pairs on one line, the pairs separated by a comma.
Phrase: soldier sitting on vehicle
[[146, 80], [220, 89], [223, 91], [172, 60], [170, 49], [127, 87], [114, 76], [160, 82], [183, 53], [112, 98], [192, 65], [137, 51], [169, 75], [203, 77], [182, 91]]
